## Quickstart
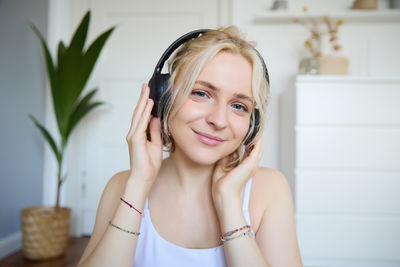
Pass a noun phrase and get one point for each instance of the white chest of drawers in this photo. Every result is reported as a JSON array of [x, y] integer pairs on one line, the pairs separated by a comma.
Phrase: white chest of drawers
[[347, 171]]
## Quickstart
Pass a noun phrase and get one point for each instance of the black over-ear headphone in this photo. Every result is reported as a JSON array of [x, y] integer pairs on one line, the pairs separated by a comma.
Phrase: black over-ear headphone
[[159, 81]]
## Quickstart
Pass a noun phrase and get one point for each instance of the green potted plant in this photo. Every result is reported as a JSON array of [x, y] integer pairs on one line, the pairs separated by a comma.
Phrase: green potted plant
[[45, 230]]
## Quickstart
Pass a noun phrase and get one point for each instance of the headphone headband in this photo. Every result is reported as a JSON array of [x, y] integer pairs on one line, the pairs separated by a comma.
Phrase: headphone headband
[[186, 37], [183, 39]]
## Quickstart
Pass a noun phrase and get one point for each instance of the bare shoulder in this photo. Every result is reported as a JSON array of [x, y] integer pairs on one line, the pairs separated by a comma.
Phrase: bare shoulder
[[270, 180], [108, 204], [117, 181], [269, 187], [272, 215], [115, 187], [110, 198]]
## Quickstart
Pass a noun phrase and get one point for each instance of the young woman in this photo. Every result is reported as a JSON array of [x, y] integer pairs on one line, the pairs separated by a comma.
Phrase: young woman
[[208, 203]]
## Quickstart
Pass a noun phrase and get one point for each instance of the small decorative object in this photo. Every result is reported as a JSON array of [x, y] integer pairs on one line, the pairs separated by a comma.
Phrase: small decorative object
[[394, 4], [45, 230], [279, 5], [318, 62], [309, 65], [333, 65], [365, 4]]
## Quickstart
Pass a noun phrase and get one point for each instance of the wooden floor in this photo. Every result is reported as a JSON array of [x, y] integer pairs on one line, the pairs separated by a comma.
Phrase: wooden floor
[[71, 257]]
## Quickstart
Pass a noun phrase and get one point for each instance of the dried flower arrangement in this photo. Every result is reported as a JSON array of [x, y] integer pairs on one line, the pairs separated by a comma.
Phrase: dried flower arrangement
[[313, 43], [333, 32]]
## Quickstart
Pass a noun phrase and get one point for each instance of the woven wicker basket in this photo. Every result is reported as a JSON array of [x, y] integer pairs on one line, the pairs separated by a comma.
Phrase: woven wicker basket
[[45, 231]]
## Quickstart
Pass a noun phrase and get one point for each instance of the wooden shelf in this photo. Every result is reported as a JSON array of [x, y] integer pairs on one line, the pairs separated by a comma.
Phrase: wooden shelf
[[348, 16], [345, 78]]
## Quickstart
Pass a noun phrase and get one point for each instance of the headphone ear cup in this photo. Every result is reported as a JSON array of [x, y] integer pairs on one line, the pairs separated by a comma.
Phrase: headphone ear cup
[[158, 85]]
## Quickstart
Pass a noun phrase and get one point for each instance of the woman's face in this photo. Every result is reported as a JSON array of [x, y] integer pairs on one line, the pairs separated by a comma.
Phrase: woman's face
[[214, 119]]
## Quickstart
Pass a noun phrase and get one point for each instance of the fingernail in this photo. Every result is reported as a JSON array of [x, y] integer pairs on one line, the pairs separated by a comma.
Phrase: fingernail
[[143, 88]]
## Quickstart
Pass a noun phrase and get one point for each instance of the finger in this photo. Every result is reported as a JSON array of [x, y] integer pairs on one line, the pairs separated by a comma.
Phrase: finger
[[145, 118], [256, 157], [155, 131], [219, 168], [249, 164], [259, 150], [140, 106], [142, 102], [256, 152]]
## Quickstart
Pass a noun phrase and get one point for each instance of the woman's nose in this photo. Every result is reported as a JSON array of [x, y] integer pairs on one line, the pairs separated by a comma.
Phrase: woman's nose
[[217, 116]]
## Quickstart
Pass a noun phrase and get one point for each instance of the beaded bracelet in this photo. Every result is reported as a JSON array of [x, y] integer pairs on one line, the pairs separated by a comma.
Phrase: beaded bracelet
[[122, 229], [131, 206], [234, 231], [249, 233]]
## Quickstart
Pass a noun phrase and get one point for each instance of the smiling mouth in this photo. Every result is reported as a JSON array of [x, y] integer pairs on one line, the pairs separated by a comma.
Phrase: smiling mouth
[[208, 139]]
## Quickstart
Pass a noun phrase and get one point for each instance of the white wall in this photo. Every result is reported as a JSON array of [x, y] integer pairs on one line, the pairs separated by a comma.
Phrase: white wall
[[22, 91]]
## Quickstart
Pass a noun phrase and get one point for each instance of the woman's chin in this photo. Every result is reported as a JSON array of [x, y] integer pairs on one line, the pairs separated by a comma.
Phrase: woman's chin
[[205, 161], [204, 157]]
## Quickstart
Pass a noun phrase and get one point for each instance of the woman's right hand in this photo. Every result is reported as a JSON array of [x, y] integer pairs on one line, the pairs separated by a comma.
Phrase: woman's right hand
[[145, 156]]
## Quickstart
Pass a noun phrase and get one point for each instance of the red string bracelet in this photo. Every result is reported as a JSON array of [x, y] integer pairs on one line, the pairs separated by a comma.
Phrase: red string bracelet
[[234, 231], [131, 206], [249, 233]]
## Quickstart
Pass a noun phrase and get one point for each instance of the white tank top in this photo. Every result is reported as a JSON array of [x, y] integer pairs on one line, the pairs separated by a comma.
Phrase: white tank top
[[152, 250]]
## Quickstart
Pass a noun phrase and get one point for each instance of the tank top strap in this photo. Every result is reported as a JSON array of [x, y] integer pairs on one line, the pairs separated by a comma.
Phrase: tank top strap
[[246, 200], [146, 204]]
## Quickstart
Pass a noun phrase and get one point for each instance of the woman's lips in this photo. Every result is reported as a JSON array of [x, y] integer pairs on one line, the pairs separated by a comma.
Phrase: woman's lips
[[208, 139]]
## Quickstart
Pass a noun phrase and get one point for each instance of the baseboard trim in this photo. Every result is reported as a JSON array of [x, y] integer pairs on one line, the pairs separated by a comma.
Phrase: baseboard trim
[[10, 244]]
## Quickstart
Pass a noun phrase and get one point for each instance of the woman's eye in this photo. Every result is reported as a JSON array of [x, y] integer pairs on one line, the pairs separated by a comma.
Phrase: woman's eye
[[240, 107], [199, 94]]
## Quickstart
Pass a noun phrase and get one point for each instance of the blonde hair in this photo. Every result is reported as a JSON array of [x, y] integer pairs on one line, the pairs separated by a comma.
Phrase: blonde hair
[[185, 66]]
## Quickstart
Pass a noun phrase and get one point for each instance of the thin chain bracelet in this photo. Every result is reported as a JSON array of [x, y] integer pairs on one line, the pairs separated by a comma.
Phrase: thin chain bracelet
[[234, 231], [249, 233], [122, 229]]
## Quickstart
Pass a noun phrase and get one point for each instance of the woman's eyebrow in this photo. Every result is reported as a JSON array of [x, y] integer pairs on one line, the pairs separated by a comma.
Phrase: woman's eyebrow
[[214, 88], [207, 84]]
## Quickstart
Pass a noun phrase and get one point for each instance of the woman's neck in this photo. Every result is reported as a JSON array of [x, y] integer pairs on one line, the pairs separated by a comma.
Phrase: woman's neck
[[187, 176]]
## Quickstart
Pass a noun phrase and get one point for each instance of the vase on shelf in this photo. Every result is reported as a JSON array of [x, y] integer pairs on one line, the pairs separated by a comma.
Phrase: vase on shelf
[[279, 5], [309, 66]]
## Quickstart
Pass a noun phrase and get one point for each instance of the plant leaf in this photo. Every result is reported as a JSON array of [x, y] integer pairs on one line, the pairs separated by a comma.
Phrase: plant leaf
[[48, 138], [51, 71], [69, 71], [62, 50], [83, 113], [79, 37], [75, 72], [93, 52], [81, 109]]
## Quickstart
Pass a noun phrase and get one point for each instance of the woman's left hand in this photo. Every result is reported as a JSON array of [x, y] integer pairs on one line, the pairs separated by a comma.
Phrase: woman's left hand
[[231, 183]]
